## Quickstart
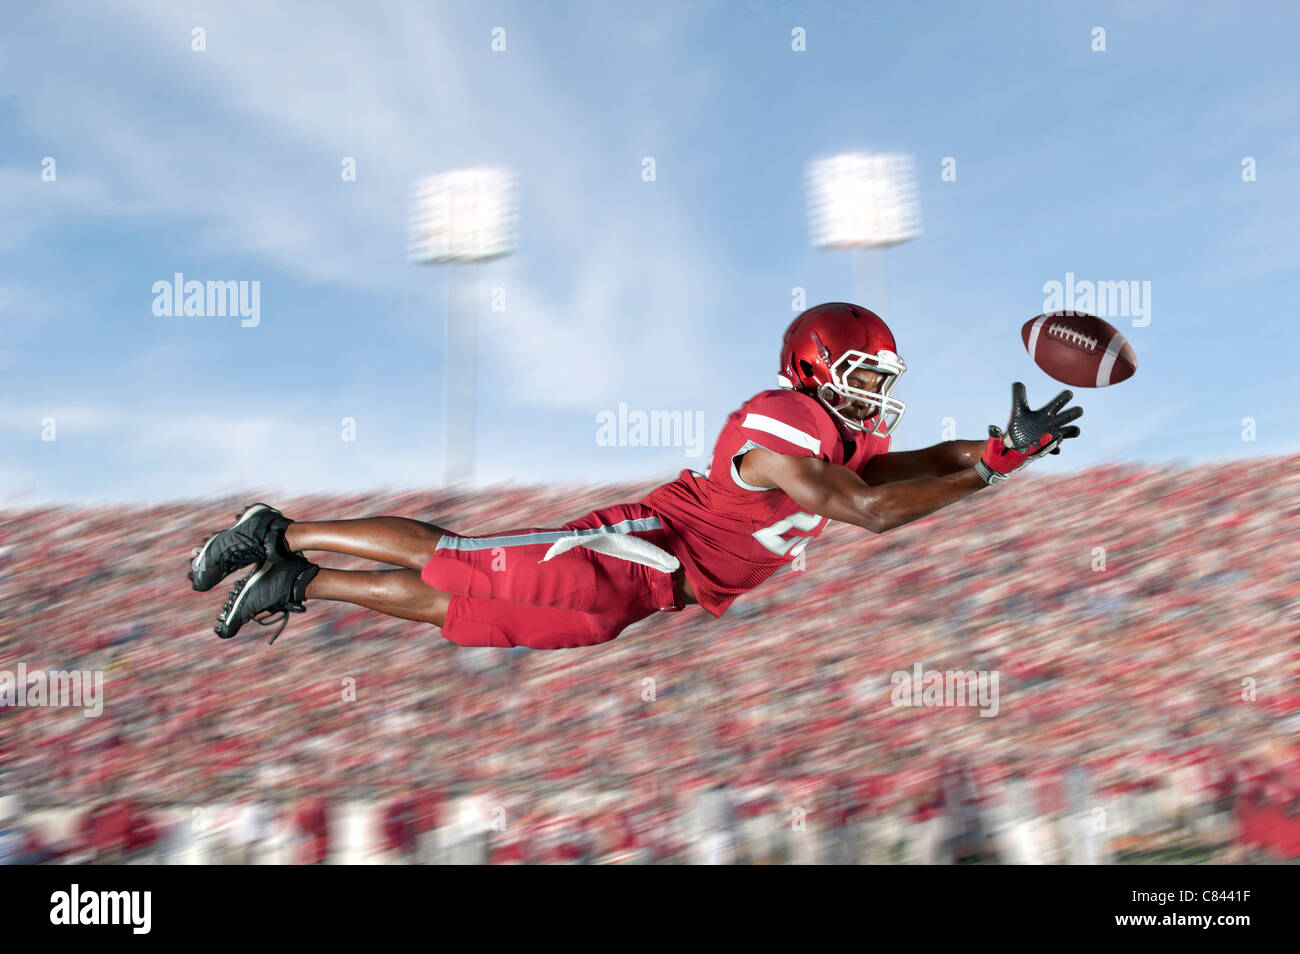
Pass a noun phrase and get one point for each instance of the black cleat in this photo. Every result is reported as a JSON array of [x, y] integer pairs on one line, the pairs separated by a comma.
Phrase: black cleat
[[278, 586], [256, 533]]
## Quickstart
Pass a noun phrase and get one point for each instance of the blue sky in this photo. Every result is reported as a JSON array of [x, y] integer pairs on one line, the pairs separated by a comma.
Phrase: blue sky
[[664, 295]]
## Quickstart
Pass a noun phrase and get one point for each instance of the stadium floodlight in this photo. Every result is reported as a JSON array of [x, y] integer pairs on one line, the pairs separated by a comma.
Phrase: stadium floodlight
[[863, 200], [462, 217]]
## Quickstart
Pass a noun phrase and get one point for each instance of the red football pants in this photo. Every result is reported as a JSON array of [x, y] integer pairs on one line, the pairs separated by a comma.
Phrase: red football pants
[[506, 593]]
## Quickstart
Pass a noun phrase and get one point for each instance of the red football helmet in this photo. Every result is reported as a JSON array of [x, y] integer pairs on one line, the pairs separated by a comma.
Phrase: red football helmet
[[826, 344]]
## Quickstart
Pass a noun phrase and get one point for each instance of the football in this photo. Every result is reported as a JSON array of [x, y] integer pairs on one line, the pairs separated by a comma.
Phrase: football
[[1080, 350]]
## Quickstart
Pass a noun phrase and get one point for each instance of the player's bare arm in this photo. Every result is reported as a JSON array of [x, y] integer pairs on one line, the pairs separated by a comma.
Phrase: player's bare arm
[[834, 491], [951, 457], [943, 459], [916, 483]]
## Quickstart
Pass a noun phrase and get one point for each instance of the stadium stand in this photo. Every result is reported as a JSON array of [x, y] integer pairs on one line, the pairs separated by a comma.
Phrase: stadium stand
[[1141, 621]]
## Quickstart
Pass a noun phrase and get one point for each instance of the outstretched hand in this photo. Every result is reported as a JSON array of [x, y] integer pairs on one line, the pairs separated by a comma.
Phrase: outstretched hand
[[1029, 435], [1026, 428]]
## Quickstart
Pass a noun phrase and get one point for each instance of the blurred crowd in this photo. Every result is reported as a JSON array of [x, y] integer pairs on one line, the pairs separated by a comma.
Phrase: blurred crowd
[[1141, 621]]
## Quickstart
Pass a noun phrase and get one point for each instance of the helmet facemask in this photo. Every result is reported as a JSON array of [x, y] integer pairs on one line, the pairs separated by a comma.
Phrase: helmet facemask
[[838, 394]]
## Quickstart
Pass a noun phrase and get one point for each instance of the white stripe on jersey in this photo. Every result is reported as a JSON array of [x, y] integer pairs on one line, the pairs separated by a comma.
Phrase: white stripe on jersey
[[770, 425]]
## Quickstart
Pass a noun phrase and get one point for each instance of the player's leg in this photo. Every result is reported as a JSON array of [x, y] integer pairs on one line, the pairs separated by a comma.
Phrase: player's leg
[[284, 585], [262, 531], [399, 593], [403, 594], [399, 541], [592, 573], [285, 579], [471, 622]]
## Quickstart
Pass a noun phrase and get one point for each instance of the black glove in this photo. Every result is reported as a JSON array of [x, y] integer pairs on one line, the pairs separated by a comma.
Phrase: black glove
[[1029, 436]]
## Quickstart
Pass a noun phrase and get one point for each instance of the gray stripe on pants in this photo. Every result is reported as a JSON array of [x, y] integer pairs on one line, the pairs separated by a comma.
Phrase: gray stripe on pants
[[639, 525]]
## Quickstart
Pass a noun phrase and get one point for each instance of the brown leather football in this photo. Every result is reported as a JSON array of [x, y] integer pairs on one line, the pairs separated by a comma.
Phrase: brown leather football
[[1080, 350]]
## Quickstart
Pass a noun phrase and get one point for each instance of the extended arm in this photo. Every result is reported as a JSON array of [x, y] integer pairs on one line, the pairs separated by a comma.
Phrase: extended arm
[[830, 490], [1030, 435], [937, 461]]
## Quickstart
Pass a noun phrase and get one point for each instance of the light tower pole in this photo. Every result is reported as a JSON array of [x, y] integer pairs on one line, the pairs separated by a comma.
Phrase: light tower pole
[[462, 218], [864, 202]]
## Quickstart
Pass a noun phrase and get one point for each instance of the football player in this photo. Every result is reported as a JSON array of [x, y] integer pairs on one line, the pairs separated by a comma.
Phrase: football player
[[787, 462]]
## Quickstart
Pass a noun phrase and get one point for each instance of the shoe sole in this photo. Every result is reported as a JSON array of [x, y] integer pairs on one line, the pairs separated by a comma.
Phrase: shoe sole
[[243, 592], [247, 514]]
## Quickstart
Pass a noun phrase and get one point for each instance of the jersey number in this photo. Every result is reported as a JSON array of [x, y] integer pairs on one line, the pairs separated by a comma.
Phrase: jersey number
[[774, 538]]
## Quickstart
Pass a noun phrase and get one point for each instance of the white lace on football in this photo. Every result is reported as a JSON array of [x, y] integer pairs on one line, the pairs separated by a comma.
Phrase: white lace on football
[[1066, 333]]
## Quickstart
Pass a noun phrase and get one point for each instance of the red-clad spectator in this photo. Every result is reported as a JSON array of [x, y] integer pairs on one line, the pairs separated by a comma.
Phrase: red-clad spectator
[[142, 833], [400, 827], [311, 820]]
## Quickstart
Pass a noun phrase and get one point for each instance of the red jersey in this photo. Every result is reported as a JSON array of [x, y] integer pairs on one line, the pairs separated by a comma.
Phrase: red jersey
[[731, 536]]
